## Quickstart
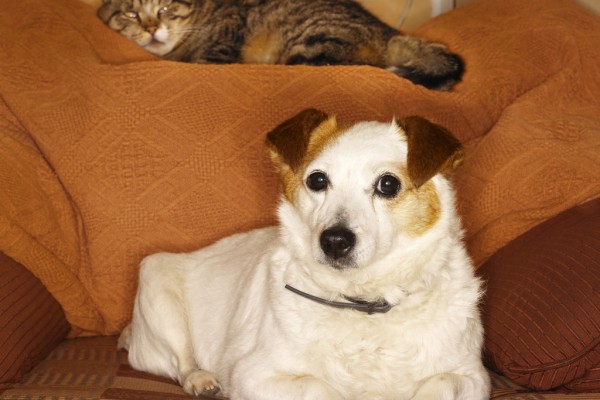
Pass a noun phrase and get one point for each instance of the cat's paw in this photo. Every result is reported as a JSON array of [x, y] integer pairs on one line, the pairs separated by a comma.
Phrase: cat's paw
[[201, 383]]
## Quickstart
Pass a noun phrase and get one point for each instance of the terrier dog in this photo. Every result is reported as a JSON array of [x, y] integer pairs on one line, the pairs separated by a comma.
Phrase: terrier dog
[[364, 290]]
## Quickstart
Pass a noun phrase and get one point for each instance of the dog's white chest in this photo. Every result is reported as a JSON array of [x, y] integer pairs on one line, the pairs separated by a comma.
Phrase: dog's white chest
[[363, 354]]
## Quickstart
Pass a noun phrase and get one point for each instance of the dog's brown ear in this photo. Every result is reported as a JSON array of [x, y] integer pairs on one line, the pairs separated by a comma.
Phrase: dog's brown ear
[[289, 141], [431, 149]]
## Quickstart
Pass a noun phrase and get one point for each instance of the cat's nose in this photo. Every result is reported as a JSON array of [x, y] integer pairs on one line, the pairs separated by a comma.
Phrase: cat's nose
[[152, 30]]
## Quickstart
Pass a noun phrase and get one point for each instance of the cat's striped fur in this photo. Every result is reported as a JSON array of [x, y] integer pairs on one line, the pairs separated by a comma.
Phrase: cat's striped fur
[[312, 32]]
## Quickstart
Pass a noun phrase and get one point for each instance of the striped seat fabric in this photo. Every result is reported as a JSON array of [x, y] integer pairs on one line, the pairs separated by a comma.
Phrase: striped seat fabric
[[93, 369]]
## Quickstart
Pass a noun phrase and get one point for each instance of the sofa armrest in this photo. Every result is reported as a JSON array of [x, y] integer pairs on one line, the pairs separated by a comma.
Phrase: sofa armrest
[[32, 323]]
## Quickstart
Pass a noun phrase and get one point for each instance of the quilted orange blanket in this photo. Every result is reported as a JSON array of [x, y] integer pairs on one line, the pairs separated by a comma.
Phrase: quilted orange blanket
[[108, 154]]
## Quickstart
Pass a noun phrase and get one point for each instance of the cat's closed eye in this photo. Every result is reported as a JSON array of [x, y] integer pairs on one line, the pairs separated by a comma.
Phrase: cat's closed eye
[[162, 12], [131, 14]]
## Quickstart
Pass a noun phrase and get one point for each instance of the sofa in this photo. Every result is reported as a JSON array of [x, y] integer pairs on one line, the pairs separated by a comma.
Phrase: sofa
[[108, 154]]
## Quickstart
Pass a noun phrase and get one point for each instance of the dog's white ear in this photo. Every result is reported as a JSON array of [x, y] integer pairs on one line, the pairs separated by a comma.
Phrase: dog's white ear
[[431, 149], [289, 141]]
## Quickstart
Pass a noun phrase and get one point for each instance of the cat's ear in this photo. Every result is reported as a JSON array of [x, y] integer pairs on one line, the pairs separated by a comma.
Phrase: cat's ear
[[431, 149], [107, 10], [288, 142]]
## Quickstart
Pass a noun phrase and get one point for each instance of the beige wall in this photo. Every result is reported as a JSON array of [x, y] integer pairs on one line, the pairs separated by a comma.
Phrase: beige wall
[[593, 5], [95, 3], [390, 11]]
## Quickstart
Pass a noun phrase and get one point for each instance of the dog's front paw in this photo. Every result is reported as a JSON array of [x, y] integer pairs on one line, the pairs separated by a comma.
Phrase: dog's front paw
[[201, 383]]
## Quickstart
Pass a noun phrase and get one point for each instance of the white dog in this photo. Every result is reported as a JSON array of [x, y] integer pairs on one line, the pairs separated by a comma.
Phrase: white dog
[[364, 291]]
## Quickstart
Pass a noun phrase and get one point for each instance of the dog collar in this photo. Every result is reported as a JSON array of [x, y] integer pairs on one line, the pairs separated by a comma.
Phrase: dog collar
[[369, 307]]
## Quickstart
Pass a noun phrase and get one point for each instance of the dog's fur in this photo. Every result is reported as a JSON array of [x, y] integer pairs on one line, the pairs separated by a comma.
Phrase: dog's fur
[[220, 318]]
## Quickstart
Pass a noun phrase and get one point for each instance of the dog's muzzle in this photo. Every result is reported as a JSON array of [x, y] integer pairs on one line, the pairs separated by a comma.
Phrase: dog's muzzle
[[337, 243]]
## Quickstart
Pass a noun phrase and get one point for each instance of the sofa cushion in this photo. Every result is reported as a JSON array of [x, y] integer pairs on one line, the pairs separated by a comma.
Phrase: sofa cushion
[[589, 382], [32, 323], [542, 307], [93, 369]]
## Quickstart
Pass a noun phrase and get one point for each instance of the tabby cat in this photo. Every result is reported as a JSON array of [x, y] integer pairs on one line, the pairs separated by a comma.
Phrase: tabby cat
[[311, 32]]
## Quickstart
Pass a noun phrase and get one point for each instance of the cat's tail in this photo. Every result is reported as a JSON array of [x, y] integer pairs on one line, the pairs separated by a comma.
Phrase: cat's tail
[[424, 63]]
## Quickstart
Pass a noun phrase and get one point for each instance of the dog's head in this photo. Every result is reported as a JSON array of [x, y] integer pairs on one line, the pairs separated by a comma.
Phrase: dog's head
[[354, 193]]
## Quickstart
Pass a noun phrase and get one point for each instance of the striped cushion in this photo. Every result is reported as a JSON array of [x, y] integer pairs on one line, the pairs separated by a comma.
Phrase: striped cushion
[[32, 323], [588, 382], [93, 369], [542, 308]]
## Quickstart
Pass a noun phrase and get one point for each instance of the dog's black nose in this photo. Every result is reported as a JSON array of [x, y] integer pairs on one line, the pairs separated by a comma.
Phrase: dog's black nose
[[337, 242]]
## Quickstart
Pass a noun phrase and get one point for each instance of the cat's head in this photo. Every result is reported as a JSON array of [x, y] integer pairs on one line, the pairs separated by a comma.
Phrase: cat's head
[[156, 25]]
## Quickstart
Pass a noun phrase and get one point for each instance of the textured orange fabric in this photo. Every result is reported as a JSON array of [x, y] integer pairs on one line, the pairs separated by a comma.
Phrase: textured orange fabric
[[108, 154], [542, 306]]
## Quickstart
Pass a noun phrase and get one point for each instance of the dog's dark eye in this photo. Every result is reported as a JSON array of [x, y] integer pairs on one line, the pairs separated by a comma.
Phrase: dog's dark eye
[[387, 186], [317, 181]]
